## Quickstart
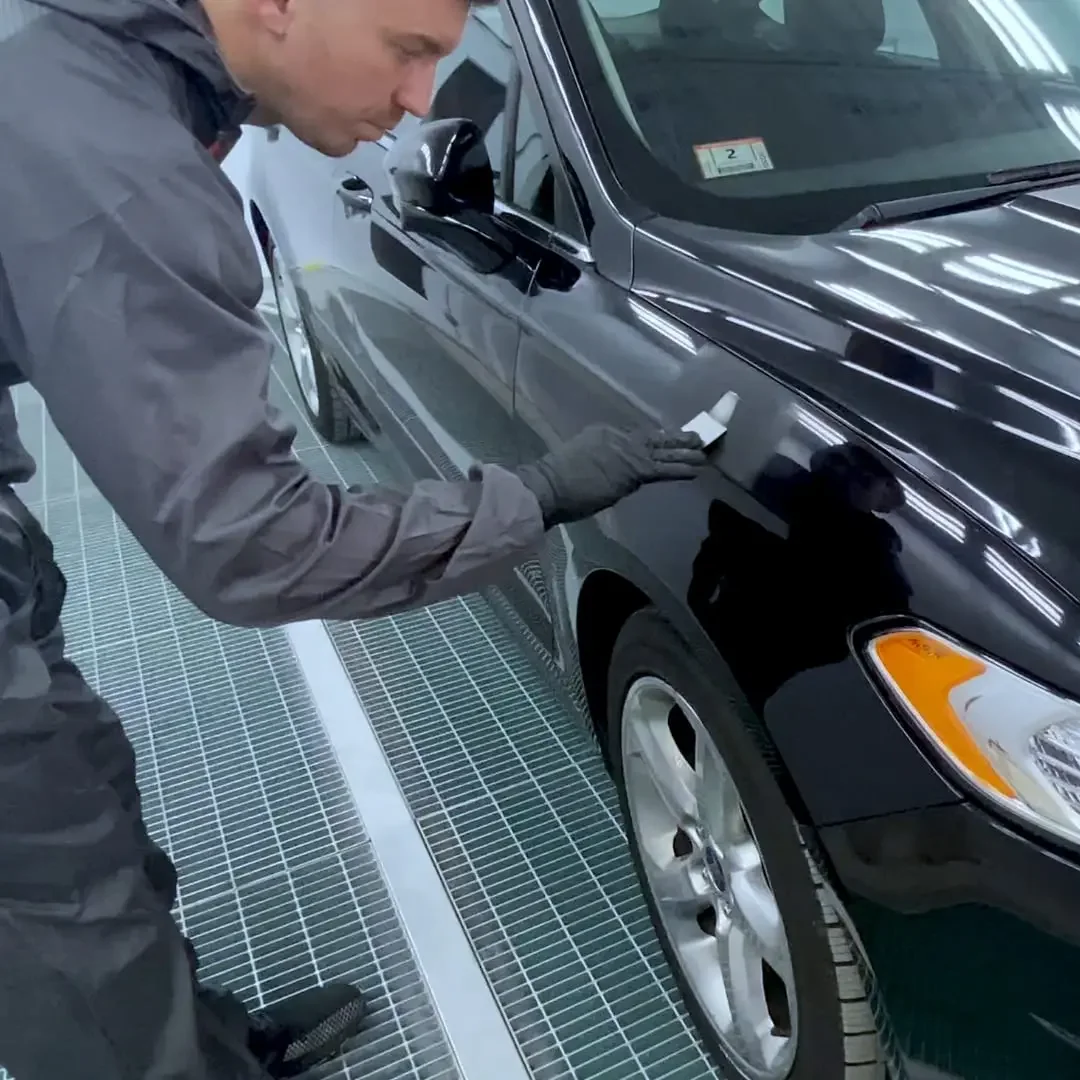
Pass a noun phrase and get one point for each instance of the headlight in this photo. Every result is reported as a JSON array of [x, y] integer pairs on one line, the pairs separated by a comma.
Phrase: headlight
[[1016, 742]]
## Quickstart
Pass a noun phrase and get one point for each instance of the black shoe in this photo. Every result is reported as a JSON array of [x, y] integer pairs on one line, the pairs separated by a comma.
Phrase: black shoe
[[307, 1029]]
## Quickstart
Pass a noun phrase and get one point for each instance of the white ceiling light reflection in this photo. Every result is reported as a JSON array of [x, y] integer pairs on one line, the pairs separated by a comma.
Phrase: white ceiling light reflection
[[1033, 595], [952, 339], [1067, 120], [665, 327], [884, 268], [1069, 429], [1001, 272], [926, 395], [939, 361], [825, 432], [1025, 42], [1041, 276], [768, 288], [920, 241], [1065, 346], [767, 332], [982, 309], [866, 300], [1046, 219], [1038, 440], [969, 271], [948, 523], [688, 304]]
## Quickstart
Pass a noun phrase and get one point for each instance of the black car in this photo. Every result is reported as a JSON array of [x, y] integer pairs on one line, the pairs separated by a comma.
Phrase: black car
[[838, 679]]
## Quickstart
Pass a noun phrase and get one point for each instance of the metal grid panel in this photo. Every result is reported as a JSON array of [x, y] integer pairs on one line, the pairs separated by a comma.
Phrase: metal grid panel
[[279, 886], [522, 821]]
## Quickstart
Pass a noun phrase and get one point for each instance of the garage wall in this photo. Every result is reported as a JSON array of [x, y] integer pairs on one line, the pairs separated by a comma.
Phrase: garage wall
[[238, 167]]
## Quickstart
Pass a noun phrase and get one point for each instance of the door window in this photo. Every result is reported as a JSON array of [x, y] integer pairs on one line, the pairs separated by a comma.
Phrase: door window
[[532, 187], [472, 81]]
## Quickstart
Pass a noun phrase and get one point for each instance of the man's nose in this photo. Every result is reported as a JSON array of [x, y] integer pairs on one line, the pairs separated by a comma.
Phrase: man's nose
[[416, 91]]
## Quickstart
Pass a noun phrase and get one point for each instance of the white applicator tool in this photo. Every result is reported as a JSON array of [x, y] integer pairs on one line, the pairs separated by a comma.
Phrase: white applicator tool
[[712, 425]]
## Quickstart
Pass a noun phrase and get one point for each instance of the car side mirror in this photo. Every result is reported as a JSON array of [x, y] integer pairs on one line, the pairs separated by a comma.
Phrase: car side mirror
[[443, 168], [444, 185]]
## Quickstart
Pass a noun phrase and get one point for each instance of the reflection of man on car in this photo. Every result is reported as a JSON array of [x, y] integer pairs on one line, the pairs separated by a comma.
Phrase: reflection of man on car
[[776, 607]]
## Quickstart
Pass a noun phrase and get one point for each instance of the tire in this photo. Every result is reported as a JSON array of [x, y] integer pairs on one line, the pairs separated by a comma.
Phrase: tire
[[820, 1011], [319, 396]]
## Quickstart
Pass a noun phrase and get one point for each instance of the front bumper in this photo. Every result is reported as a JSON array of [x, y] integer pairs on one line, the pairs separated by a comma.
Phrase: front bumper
[[973, 932]]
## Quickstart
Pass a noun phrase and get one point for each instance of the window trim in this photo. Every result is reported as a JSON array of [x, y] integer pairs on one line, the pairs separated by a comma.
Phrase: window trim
[[562, 242]]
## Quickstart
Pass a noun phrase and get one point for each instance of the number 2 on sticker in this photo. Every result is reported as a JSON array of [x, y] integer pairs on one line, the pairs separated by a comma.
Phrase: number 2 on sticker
[[732, 157]]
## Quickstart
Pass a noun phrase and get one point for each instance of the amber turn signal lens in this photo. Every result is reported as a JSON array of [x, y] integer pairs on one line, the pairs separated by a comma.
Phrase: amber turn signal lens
[[924, 671]]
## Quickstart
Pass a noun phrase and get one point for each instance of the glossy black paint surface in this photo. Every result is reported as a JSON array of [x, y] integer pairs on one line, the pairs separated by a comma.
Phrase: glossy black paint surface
[[905, 448]]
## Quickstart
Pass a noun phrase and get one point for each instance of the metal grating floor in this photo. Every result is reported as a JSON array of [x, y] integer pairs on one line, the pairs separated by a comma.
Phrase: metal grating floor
[[521, 820], [280, 888]]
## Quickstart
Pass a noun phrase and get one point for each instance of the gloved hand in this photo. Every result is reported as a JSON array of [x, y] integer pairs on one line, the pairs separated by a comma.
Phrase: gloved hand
[[602, 465]]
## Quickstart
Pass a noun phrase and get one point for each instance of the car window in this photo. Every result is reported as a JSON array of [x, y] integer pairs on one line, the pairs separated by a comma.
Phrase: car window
[[907, 31], [473, 80], [790, 116], [533, 186]]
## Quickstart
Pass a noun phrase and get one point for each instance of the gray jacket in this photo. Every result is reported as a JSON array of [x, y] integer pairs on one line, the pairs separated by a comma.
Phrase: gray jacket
[[128, 289]]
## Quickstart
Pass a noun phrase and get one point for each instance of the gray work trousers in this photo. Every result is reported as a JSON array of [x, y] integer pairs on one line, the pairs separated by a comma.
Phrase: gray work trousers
[[96, 980]]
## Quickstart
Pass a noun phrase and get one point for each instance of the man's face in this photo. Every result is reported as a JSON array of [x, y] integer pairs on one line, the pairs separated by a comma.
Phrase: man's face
[[338, 72]]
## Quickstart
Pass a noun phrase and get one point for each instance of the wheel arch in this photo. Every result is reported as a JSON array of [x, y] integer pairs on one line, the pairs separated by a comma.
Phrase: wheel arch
[[607, 599]]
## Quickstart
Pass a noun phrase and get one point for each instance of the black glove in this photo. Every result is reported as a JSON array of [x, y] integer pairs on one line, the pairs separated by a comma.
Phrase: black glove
[[602, 465]]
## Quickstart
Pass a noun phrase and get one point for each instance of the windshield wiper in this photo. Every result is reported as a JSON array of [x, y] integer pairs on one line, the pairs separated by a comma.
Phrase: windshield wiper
[[1055, 170], [1000, 186]]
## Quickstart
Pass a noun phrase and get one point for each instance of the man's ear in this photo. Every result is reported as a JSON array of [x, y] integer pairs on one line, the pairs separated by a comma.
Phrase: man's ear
[[273, 15]]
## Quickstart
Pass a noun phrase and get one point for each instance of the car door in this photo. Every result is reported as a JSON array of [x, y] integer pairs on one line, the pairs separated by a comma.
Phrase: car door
[[432, 343], [593, 350]]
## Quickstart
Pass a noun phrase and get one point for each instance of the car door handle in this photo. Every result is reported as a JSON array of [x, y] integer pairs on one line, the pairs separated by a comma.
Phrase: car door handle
[[356, 195]]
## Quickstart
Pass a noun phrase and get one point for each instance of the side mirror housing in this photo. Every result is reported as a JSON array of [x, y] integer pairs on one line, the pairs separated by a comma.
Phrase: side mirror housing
[[444, 186], [443, 168]]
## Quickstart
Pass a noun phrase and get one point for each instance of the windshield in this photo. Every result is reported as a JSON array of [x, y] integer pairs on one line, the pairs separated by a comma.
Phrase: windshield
[[789, 116]]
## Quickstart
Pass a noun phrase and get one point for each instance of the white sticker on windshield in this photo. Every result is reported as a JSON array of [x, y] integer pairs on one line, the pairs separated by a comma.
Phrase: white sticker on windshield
[[732, 157]]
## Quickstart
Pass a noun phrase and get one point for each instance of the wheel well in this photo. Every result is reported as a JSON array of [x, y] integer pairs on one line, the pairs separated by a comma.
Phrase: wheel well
[[607, 600], [262, 230]]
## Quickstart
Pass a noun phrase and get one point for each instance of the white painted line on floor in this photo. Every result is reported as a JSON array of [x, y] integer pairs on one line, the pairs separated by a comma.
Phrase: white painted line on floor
[[471, 1017]]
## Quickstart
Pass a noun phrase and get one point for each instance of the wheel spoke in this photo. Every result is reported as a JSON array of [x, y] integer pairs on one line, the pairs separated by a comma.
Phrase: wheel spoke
[[701, 961], [744, 978], [720, 807], [679, 886], [654, 750], [756, 913]]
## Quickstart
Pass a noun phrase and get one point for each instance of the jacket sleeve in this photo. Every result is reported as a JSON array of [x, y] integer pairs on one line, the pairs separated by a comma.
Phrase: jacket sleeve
[[137, 326]]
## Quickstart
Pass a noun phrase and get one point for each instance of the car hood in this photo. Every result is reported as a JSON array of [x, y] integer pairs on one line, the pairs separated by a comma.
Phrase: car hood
[[954, 342]]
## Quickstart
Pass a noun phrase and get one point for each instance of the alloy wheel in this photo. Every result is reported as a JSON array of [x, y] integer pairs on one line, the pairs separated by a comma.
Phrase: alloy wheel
[[708, 880], [297, 343]]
